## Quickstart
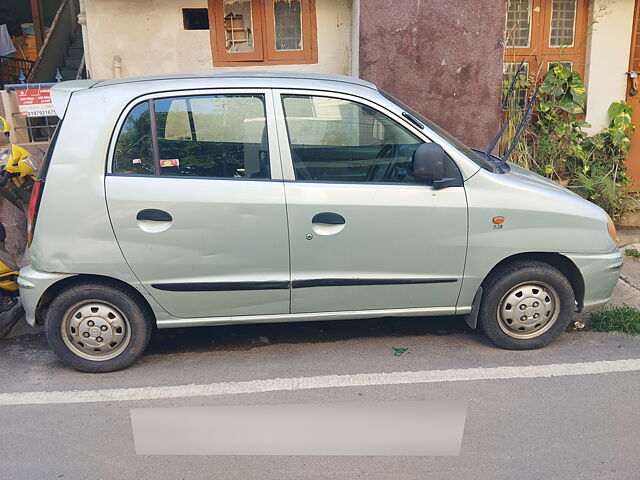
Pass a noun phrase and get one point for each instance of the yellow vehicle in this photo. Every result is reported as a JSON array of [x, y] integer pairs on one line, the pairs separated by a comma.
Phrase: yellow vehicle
[[15, 165], [15, 161], [8, 276]]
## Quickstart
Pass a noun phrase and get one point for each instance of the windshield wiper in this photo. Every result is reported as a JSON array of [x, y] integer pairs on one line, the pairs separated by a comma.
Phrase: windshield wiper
[[523, 123], [505, 99], [502, 162]]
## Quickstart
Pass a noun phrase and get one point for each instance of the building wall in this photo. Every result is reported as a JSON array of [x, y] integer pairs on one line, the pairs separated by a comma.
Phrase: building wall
[[149, 38], [443, 57], [607, 58]]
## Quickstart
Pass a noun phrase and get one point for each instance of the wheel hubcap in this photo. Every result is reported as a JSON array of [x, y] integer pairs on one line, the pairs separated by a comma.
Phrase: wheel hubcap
[[95, 330], [528, 310]]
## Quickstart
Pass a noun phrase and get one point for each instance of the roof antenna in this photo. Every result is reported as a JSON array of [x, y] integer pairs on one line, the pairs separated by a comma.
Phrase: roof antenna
[[505, 99]]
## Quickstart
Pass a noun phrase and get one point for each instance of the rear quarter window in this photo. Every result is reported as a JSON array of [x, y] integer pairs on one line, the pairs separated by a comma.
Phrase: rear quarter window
[[134, 153]]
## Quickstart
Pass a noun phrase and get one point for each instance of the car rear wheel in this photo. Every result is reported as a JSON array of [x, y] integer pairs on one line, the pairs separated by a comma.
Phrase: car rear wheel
[[97, 327], [526, 305]]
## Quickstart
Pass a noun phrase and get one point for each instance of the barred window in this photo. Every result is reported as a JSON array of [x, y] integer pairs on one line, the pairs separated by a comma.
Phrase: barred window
[[518, 32], [563, 23]]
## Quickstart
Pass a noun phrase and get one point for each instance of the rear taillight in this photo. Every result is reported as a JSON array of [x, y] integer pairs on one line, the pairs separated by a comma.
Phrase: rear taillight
[[34, 204]]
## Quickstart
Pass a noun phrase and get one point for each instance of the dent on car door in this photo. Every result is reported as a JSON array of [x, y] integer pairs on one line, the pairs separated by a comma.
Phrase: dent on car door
[[195, 206], [364, 234]]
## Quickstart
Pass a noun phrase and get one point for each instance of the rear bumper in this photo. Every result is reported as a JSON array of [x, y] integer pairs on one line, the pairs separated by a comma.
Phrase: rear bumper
[[600, 273], [33, 284]]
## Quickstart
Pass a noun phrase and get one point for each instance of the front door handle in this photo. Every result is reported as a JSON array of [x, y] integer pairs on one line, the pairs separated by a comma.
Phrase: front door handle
[[154, 215], [328, 218]]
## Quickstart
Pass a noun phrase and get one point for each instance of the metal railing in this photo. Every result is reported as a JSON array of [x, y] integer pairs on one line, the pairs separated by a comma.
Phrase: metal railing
[[81, 68], [14, 70]]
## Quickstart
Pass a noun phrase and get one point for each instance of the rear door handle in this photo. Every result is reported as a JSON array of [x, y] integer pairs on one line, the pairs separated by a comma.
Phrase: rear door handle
[[154, 215], [328, 218]]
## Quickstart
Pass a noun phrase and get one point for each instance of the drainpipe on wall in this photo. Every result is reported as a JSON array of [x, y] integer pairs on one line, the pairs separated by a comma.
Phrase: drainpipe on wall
[[354, 68], [82, 20], [116, 66]]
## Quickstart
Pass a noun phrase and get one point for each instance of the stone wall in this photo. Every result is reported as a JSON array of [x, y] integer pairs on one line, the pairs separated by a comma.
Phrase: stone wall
[[442, 57]]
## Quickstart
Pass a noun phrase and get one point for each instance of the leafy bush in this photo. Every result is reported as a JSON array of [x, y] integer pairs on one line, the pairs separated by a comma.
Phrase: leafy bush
[[601, 173], [559, 132], [554, 144]]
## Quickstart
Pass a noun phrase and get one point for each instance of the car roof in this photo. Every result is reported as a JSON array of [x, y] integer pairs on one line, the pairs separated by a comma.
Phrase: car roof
[[286, 78], [61, 92]]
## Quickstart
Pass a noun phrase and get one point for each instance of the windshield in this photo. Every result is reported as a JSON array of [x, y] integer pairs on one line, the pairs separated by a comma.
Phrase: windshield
[[479, 158]]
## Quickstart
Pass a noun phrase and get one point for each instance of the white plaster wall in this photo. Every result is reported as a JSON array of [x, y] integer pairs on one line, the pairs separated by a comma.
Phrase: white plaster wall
[[607, 58], [149, 38]]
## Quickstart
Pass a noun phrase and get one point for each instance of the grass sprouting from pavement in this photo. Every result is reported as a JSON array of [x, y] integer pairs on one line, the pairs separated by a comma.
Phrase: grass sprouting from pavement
[[632, 252], [616, 319]]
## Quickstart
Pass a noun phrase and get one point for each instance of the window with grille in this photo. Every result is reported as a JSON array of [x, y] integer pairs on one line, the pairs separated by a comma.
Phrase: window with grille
[[288, 24], [563, 23], [263, 32], [518, 32]]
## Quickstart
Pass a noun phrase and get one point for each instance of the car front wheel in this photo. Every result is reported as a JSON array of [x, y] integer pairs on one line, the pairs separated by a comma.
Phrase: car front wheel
[[526, 305]]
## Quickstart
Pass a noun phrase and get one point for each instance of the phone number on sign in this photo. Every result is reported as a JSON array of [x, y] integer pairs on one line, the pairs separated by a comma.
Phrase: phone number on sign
[[40, 112]]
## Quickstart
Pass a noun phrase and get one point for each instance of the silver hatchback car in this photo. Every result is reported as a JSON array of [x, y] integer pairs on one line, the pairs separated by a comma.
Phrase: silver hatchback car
[[214, 199]]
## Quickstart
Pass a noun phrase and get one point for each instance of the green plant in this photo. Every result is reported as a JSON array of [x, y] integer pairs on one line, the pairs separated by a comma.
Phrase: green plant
[[601, 174], [558, 132], [622, 319], [555, 145], [632, 252]]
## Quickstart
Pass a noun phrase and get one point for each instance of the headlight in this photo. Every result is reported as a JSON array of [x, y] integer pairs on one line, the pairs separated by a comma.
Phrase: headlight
[[611, 228]]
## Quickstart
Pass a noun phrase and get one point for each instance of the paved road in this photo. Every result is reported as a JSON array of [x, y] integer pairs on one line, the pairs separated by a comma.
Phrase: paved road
[[568, 427]]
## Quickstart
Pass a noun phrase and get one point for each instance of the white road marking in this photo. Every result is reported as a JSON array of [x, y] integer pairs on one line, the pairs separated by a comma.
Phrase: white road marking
[[323, 381]]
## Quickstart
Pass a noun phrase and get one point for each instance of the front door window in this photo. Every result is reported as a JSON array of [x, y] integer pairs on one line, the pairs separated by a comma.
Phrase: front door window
[[338, 140]]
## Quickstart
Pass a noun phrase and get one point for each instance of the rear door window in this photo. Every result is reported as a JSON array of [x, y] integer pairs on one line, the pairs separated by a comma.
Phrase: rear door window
[[215, 136], [222, 136]]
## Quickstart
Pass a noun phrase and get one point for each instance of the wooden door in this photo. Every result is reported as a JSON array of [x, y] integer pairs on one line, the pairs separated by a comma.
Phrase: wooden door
[[633, 97]]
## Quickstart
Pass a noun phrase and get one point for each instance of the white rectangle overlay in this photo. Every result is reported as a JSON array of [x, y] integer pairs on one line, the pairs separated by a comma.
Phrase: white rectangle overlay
[[416, 428]]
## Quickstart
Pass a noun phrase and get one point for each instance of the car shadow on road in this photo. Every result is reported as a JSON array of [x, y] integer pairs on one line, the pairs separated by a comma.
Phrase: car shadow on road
[[244, 337]]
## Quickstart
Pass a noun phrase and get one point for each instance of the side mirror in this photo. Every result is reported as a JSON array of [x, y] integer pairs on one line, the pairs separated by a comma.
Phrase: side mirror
[[428, 163]]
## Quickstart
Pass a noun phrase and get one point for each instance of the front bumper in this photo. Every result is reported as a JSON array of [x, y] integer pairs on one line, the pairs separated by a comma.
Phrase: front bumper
[[33, 284], [600, 273]]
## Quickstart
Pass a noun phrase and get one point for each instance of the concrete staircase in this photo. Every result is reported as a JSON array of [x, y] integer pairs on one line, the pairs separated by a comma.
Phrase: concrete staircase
[[72, 58]]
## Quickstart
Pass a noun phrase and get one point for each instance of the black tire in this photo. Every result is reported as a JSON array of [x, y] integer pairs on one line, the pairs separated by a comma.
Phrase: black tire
[[135, 314], [504, 285], [10, 318]]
